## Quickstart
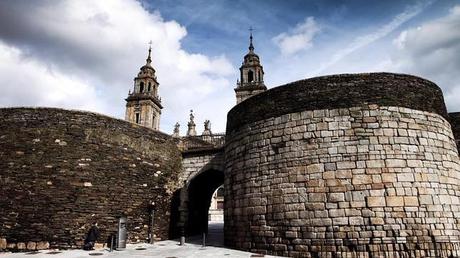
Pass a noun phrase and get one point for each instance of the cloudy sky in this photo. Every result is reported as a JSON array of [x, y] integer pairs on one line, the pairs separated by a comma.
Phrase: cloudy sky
[[81, 54]]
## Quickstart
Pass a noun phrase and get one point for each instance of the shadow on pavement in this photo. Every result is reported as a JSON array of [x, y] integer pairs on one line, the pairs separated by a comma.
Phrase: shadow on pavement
[[215, 236]]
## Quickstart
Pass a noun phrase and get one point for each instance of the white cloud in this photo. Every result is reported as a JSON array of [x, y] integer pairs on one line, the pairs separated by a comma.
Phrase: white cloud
[[26, 82], [300, 38], [432, 50], [364, 40], [93, 49]]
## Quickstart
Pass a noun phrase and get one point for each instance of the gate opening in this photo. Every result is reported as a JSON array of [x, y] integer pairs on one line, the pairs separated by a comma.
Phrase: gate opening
[[201, 191]]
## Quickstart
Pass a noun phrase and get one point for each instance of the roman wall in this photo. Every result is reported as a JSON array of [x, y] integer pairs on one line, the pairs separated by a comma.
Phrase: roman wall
[[61, 170], [455, 124], [345, 165]]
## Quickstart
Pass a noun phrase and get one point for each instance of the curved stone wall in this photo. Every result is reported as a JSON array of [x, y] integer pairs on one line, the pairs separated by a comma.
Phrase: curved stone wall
[[340, 91], [455, 123], [373, 169], [62, 170]]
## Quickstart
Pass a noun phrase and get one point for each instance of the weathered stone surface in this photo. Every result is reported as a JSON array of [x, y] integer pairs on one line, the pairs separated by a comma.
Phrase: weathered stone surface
[[376, 201], [3, 244], [395, 163], [412, 201], [340, 91], [53, 192], [455, 122], [395, 201], [21, 246], [390, 170], [43, 245], [31, 245], [336, 197]]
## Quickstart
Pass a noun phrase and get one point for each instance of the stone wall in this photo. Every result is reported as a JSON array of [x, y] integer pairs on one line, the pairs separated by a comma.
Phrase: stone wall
[[62, 170], [340, 91], [355, 176], [195, 162], [455, 123]]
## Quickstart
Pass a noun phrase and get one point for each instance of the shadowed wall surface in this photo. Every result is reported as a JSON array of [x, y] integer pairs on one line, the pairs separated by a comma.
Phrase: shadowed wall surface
[[62, 170], [455, 123], [343, 164]]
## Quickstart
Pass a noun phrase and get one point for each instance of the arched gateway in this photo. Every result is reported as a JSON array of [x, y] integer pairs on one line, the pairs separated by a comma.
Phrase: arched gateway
[[335, 166], [203, 173], [345, 164]]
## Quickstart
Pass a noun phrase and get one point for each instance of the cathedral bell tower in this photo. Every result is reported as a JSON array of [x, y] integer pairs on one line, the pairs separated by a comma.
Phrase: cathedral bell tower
[[251, 80], [143, 105]]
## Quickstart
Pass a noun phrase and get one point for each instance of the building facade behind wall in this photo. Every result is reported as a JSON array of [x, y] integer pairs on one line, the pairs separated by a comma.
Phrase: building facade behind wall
[[251, 80], [143, 105]]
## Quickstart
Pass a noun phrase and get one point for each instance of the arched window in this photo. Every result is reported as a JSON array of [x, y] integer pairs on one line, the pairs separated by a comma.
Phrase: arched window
[[141, 87], [150, 87], [250, 76], [138, 118]]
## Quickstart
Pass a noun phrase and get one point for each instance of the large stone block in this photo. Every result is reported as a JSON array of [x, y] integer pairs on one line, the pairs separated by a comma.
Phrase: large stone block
[[395, 201], [376, 201], [31, 245], [43, 245], [395, 163], [3, 244]]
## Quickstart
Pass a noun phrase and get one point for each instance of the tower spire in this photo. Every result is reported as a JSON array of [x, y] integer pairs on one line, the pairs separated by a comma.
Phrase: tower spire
[[251, 74], [149, 59], [251, 46], [143, 104]]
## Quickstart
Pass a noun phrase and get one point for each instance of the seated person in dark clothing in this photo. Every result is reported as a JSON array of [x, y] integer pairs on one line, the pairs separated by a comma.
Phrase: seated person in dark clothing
[[91, 237]]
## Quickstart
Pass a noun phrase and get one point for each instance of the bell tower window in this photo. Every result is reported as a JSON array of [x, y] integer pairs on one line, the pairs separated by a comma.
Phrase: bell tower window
[[138, 118], [149, 87], [141, 89], [250, 76]]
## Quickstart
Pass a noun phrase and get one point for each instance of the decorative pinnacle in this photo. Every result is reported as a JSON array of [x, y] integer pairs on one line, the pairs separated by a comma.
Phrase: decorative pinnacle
[[149, 59], [191, 116], [251, 47]]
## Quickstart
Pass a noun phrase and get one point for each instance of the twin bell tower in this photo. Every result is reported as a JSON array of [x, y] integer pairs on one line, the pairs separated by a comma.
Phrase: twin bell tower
[[143, 104]]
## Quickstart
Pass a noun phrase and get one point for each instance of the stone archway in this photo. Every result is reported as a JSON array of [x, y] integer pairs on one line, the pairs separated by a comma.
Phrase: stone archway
[[199, 193]]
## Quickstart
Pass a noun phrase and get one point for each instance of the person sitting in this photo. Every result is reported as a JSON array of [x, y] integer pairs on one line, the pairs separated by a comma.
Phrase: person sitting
[[91, 237]]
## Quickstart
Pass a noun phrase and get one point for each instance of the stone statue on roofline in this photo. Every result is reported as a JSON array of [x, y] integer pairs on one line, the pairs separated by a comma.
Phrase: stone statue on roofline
[[176, 130]]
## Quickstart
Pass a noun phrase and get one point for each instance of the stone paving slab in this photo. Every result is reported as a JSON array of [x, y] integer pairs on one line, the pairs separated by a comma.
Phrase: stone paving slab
[[164, 249]]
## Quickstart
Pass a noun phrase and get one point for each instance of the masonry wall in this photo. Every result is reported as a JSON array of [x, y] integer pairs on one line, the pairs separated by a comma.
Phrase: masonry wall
[[455, 124], [195, 162], [374, 172], [62, 170]]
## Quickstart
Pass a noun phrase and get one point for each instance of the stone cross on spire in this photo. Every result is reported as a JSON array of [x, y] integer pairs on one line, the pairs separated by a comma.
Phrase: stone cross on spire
[[251, 47], [149, 59]]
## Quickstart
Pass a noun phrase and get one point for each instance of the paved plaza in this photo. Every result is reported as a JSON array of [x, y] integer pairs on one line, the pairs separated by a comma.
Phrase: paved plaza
[[165, 249]]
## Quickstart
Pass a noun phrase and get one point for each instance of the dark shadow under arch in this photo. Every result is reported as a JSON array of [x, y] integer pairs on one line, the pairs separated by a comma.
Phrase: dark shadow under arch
[[200, 191]]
